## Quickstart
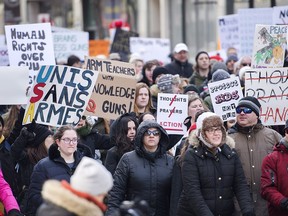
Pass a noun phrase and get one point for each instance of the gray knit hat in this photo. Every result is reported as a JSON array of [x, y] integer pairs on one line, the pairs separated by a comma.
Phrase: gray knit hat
[[250, 102], [220, 75]]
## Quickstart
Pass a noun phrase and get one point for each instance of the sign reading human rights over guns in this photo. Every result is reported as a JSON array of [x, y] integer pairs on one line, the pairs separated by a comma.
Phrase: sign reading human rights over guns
[[270, 86], [225, 95], [30, 45], [60, 95], [172, 109], [115, 88]]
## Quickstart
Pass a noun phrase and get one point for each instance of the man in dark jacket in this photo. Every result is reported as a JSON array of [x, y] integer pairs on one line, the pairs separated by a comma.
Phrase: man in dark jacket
[[180, 64]]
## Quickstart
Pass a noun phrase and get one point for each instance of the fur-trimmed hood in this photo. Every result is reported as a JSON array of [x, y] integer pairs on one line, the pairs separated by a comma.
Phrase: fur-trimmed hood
[[55, 193]]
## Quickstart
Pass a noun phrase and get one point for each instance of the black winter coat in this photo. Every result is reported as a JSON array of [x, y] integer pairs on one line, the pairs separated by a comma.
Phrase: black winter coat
[[183, 69], [143, 175], [211, 181], [51, 167]]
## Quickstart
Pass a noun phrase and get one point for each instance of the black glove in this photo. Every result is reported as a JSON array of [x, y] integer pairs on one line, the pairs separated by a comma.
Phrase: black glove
[[15, 212], [29, 136]]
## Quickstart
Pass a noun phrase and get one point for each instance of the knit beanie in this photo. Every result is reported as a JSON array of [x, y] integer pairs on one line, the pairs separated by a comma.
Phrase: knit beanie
[[191, 87], [166, 81], [41, 133], [218, 65], [199, 53], [91, 177], [220, 74], [232, 58], [250, 102], [158, 71]]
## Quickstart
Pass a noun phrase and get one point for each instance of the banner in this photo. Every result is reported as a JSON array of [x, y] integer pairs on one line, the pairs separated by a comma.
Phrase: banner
[[225, 95], [172, 109], [60, 95], [270, 42], [13, 85], [115, 89], [280, 15], [270, 86], [151, 48]]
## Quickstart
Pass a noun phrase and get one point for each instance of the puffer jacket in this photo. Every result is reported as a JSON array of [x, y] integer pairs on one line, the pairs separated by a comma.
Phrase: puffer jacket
[[210, 181], [183, 69], [274, 179], [58, 200], [51, 167], [252, 145], [143, 175]]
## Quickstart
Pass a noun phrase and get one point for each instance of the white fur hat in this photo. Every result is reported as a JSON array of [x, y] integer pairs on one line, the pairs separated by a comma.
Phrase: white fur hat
[[201, 117], [91, 177]]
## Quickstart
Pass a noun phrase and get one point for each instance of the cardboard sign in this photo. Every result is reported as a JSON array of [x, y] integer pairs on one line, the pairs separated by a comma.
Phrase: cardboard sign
[[151, 48], [70, 43], [248, 18], [280, 15], [30, 45], [13, 85], [270, 86], [114, 93], [60, 95], [225, 95], [270, 42], [99, 47], [172, 110], [121, 43], [228, 28]]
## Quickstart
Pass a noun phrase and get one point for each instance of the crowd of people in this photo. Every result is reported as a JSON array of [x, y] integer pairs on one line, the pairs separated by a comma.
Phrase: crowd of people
[[132, 166]]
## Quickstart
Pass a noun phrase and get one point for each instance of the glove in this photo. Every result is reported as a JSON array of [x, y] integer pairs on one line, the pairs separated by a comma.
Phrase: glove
[[15, 212], [29, 136]]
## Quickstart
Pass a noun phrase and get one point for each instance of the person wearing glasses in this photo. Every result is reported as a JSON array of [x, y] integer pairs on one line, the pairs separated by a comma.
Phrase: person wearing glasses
[[212, 173], [63, 157], [144, 173], [253, 142]]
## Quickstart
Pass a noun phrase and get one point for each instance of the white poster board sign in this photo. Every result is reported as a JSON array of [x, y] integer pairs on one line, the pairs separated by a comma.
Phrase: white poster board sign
[[280, 15], [30, 45], [70, 43], [13, 85], [2, 40], [225, 95], [4, 58], [172, 109], [270, 86], [151, 48]]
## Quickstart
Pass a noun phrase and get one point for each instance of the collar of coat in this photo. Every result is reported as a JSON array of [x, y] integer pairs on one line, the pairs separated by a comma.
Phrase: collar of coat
[[54, 192]]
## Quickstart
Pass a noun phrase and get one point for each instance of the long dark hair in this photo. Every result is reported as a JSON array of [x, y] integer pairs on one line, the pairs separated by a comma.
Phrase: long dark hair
[[123, 143], [35, 154]]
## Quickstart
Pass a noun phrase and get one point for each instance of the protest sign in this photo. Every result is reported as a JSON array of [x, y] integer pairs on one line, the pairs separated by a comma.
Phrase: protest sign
[[113, 93], [248, 18], [13, 85], [2, 40], [4, 58], [270, 86], [270, 42], [280, 15], [172, 109], [228, 29], [99, 47], [151, 48], [225, 95], [30, 45], [60, 95], [121, 43], [70, 43]]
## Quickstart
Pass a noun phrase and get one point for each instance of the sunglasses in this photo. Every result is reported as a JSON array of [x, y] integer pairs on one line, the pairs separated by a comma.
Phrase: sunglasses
[[150, 132], [244, 110]]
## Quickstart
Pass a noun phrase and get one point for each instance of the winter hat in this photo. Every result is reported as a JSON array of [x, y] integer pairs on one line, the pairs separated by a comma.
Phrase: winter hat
[[201, 117], [158, 71], [91, 177], [250, 102], [218, 65], [220, 74], [72, 60], [242, 72], [232, 58], [41, 133], [166, 81], [199, 53], [191, 87], [180, 47]]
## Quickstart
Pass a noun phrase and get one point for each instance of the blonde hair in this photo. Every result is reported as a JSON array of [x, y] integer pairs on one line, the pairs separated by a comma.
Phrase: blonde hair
[[149, 106]]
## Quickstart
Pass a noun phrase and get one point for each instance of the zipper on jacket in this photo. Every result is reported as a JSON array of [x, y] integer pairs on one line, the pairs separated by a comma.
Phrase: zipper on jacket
[[272, 178]]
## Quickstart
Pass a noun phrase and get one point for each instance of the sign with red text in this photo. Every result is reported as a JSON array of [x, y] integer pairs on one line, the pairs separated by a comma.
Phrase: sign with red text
[[60, 95], [172, 109], [30, 45], [115, 89], [225, 95], [270, 86]]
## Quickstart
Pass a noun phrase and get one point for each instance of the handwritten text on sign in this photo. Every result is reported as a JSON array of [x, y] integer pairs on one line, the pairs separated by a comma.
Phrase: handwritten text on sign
[[270, 86]]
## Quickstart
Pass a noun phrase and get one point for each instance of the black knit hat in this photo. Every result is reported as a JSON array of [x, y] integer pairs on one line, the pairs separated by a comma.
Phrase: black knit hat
[[158, 71], [72, 60], [41, 133], [191, 87], [199, 53], [250, 102]]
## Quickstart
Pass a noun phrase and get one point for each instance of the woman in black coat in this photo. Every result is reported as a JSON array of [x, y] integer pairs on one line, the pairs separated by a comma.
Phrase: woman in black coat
[[144, 173], [212, 173]]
